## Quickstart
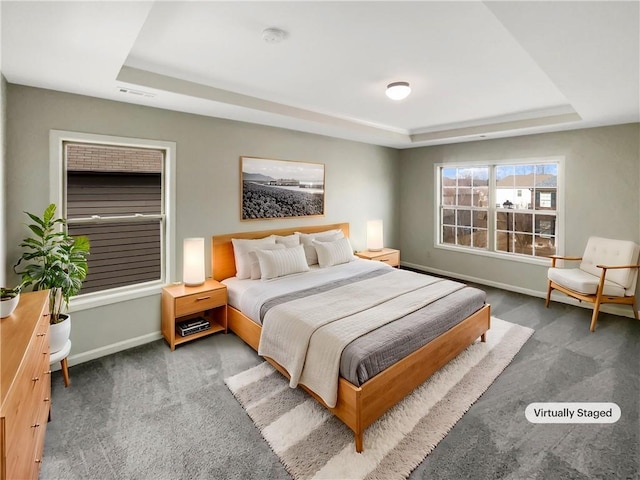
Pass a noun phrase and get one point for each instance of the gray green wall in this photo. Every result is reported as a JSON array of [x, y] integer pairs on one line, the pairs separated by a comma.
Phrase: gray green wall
[[602, 190], [602, 197], [361, 184]]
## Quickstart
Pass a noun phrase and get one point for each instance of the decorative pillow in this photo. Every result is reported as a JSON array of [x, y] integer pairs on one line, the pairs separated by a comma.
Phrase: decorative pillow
[[241, 249], [289, 240], [278, 263], [255, 263], [307, 241], [334, 253]]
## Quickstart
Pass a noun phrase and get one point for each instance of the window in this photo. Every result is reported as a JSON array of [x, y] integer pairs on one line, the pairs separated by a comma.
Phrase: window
[[464, 206], [502, 208], [119, 193]]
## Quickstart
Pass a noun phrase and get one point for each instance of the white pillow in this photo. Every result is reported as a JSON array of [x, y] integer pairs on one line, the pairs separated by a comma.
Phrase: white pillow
[[334, 253], [278, 263], [241, 249], [288, 240], [256, 273], [307, 241]]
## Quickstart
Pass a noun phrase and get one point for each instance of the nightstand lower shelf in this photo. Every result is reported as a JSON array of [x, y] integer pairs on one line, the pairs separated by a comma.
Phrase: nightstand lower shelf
[[214, 328]]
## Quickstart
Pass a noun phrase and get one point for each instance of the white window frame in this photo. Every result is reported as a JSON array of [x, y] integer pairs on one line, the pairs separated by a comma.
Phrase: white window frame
[[491, 227], [57, 195]]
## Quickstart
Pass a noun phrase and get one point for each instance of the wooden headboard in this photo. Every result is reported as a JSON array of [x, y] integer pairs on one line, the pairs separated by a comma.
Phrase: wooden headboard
[[223, 263]]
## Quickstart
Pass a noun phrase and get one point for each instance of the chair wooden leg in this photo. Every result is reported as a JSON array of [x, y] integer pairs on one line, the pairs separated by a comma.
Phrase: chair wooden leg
[[634, 305], [546, 304], [594, 317], [65, 371]]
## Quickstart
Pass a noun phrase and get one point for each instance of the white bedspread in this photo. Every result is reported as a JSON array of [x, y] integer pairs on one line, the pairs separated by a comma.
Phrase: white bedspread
[[306, 336], [249, 295]]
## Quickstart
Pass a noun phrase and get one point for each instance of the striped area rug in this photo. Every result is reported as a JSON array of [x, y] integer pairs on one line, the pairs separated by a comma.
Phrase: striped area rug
[[312, 443]]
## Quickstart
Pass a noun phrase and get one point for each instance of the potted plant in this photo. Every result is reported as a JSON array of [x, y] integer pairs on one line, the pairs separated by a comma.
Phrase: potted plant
[[55, 261], [9, 298]]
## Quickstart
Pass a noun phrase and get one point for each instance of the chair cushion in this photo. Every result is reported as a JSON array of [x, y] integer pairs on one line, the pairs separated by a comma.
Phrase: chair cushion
[[582, 282], [605, 251]]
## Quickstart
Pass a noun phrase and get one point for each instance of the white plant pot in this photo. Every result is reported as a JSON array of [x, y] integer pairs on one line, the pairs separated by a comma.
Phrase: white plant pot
[[59, 334], [8, 306]]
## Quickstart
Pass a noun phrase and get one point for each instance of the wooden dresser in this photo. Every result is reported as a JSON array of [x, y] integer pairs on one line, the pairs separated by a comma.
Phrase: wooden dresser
[[25, 386]]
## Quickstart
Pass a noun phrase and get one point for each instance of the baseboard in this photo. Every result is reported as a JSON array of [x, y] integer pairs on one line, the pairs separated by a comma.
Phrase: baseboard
[[623, 311], [109, 349]]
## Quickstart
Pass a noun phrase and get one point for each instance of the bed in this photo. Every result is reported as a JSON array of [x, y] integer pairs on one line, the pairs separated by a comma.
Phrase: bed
[[366, 392]]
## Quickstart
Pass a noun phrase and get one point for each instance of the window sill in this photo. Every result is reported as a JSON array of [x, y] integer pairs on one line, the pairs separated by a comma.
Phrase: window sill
[[544, 261], [116, 295]]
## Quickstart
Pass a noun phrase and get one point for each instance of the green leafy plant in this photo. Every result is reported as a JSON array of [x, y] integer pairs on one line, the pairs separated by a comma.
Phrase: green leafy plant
[[53, 260], [7, 293]]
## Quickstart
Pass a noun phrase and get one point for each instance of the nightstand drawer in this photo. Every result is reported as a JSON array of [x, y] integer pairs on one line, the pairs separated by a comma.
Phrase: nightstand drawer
[[392, 259], [199, 302]]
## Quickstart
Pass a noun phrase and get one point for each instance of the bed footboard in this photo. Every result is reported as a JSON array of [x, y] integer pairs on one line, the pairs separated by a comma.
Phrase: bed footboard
[[359, 407]]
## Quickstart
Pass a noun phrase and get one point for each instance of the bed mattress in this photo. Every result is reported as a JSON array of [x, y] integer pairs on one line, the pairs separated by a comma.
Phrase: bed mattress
[[373, 352]]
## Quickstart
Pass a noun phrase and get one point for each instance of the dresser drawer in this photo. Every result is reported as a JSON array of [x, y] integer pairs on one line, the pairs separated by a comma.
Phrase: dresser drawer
[[26, 410], [27, 393], [199, 302], [42, 418]]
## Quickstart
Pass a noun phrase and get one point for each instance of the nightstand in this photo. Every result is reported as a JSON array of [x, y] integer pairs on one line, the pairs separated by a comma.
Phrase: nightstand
[[181, 303], [387, 255]]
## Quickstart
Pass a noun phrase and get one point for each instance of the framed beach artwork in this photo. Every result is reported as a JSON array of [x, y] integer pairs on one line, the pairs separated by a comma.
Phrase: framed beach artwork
[[280, 189]]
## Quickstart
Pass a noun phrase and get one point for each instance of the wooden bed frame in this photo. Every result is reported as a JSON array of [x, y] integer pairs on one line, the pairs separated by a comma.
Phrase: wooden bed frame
[[357, 407]]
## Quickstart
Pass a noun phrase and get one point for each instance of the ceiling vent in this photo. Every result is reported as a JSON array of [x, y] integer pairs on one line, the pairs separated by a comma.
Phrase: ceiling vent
[[138, 93]]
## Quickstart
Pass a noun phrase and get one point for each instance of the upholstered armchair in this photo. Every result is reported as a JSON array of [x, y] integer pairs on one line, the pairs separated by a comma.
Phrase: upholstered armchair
[[608, 273]]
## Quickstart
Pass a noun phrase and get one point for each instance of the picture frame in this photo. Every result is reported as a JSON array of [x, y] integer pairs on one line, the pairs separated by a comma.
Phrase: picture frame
[[277, 189]]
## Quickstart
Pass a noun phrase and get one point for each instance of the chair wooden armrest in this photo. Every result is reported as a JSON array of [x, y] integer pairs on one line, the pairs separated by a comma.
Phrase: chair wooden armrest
[[560, 257], [604, 274], [617, 266]]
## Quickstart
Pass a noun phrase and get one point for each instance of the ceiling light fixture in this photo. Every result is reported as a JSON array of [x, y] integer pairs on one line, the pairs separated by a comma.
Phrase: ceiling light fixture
[[398, 90], [273, 35]]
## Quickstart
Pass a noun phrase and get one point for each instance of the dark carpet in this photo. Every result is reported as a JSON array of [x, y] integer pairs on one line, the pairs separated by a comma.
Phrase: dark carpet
[[149, 413]]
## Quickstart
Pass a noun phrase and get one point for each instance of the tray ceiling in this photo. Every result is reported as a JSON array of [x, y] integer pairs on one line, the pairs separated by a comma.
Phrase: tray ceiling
[[476, 69]]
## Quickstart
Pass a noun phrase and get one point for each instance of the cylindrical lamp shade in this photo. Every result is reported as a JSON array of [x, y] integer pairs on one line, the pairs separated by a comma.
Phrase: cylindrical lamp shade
[[374, 235], [193, 261]]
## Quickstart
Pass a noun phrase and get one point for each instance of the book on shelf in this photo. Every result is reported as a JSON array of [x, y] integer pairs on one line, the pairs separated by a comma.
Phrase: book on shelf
[[195, 325]]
